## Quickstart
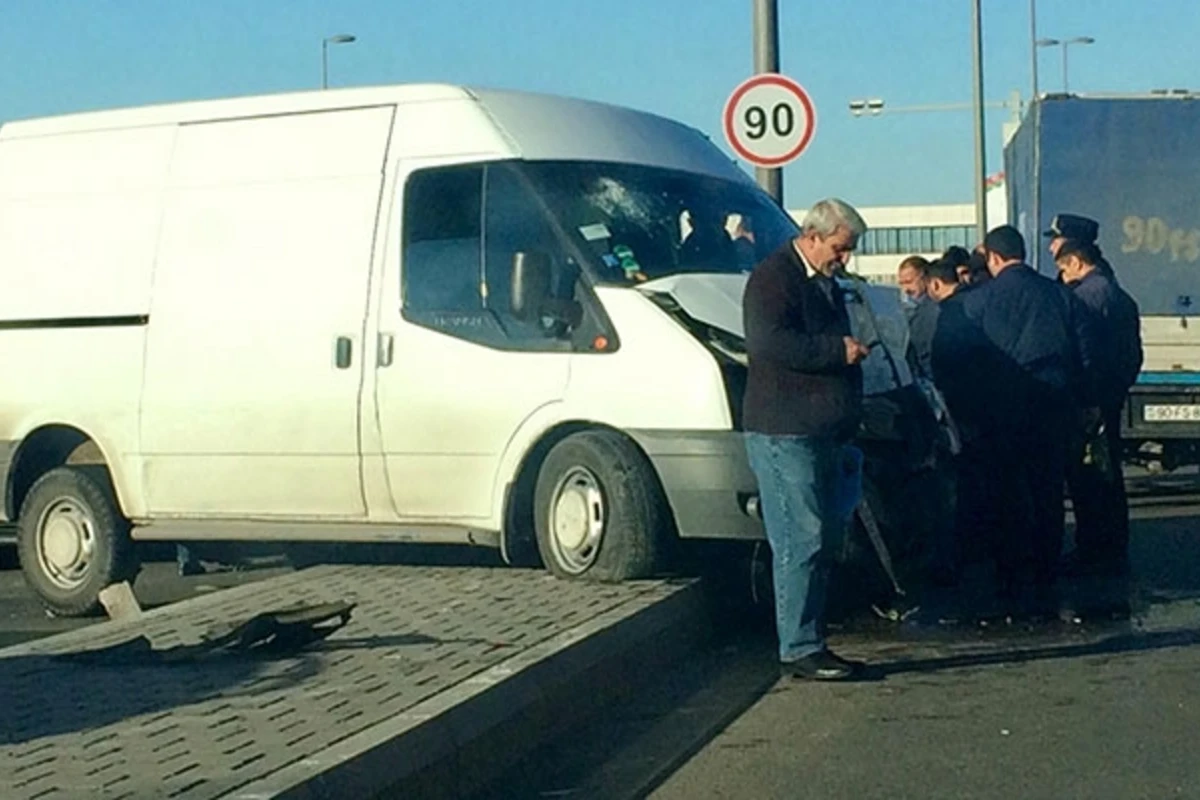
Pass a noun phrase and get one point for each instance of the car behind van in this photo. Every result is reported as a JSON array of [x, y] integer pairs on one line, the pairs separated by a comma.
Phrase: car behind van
[[410, 313]]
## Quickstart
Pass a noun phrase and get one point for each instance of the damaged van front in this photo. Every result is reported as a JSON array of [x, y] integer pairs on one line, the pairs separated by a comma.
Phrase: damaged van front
[[667, 255]]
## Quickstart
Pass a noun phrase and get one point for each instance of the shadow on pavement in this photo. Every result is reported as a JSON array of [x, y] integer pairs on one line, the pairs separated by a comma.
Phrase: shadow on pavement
[[1125, 643], [86, 689], [429, 555], [51, 697]]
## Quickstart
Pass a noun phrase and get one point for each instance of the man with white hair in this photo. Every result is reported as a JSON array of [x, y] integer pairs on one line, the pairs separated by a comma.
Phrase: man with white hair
[[803, 402]]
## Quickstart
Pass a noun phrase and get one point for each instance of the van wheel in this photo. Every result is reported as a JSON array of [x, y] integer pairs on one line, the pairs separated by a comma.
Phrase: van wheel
[[72, 539], [599, 511]]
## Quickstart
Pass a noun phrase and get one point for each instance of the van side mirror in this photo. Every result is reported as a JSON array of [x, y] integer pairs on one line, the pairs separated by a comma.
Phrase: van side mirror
[[536, 299], [530, 288]]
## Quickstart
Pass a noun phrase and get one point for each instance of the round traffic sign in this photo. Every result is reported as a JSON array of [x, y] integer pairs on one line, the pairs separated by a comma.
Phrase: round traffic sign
[[769, 120]]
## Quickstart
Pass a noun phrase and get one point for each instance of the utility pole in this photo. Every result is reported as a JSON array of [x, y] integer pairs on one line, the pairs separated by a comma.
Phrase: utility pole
[[980, 168], [766, 59], [1033, 48]]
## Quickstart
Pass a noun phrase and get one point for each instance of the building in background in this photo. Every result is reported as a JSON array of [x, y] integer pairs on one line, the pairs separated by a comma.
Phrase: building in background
[[897, 232]]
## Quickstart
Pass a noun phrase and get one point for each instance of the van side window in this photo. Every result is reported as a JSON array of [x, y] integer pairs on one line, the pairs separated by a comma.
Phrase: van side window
[[464, 227], [443, 219]]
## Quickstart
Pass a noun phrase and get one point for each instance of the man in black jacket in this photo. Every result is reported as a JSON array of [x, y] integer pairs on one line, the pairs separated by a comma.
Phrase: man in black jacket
[[803, 403], [1044, 348]]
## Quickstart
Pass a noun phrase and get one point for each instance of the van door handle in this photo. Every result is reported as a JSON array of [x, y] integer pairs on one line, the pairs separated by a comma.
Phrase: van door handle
[[343, 352], [386, 349]]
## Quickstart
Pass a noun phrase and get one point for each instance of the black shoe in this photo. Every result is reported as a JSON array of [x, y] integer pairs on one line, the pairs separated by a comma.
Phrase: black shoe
[[823, 666]]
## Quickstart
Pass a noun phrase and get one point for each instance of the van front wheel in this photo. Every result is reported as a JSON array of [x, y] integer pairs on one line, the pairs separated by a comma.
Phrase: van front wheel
[[72, 539], [599, 511]]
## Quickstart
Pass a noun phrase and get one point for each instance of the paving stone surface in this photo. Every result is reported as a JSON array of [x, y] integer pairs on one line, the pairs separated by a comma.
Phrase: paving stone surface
[[204, 729]]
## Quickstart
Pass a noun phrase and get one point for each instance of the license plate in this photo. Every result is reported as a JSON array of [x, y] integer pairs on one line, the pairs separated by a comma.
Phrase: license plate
[[1172, 413]]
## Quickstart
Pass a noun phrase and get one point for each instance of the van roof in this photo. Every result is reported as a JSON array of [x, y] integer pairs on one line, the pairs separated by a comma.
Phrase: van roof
[[537, 125], [264, 105], [249, 105]]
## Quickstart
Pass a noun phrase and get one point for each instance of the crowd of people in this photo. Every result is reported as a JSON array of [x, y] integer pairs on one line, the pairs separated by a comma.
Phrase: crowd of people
[[1034, 372]]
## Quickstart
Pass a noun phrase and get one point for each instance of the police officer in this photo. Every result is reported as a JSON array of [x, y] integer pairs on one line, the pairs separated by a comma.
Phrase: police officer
[[1083, 230], [1094, 474], [1043, 350]]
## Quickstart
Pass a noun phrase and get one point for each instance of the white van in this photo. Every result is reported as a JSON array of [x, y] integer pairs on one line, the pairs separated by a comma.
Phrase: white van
[[410, 313]]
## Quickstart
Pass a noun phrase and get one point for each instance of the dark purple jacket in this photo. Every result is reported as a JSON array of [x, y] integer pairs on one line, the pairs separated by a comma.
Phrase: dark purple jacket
[[1118, 325], [799, 383]]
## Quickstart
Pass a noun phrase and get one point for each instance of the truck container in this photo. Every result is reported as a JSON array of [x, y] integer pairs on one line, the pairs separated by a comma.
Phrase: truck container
[[1132, 163]]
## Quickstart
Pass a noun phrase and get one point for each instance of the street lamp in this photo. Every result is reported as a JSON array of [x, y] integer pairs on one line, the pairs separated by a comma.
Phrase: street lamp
[[1065, 44], [341, 38], [874, 106], [871, 105]]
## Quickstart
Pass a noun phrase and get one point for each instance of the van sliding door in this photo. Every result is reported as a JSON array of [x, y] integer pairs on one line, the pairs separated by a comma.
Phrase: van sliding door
[[254, 364]]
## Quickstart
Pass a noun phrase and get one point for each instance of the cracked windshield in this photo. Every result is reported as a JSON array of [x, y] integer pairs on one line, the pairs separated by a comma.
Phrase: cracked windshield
[[638, 223]]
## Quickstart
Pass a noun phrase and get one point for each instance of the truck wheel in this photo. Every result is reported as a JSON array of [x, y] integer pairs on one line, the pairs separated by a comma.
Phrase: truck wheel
[[599, 511], [72, 539]]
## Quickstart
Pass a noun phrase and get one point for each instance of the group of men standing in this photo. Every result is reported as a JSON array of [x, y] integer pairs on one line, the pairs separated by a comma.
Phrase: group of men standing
[[1034, 372]]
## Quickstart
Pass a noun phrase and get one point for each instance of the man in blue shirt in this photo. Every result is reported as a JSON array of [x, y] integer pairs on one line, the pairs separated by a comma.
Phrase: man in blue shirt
[[1042, 347], [1096, 484]]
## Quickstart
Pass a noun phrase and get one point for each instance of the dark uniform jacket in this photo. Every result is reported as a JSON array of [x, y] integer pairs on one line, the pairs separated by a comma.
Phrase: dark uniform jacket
[[1117, 324], [967, 369], [799, 383], [1041, 328]]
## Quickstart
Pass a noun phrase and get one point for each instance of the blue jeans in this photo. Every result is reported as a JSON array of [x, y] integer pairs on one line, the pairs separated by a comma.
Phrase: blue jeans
[[796, 481]]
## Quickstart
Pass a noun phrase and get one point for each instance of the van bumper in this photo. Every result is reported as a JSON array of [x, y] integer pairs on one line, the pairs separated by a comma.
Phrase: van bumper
[[707, 479]]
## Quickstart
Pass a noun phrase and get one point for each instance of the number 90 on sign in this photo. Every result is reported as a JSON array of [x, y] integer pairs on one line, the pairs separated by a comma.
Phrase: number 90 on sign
[[783, 121], [769, 120]]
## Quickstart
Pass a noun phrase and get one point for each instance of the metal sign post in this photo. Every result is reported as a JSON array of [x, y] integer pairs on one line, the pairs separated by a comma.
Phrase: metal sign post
[[766, 60]]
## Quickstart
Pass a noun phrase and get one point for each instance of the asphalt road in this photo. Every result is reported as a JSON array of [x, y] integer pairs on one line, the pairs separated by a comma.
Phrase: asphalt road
[[1098, 708], [1102, 709]]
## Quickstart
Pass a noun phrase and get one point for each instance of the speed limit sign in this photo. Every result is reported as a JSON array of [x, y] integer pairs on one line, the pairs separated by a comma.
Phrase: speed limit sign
[[769, 120]]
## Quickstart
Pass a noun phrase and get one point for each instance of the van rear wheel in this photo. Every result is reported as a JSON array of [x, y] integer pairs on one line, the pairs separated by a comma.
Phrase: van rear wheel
[[72, 540], [599, 511]]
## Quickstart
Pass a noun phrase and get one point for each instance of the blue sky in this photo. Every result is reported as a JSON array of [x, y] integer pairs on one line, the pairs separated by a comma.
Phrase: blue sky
[[676, 57]]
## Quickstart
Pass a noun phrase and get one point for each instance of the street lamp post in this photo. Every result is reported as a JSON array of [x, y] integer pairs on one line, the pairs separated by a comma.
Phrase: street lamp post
[[1033, 39], [1065, 44], [341, 38], [977, 92]]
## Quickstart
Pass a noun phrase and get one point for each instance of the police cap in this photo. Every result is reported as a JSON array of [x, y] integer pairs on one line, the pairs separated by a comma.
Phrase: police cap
[[1073, 226]]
